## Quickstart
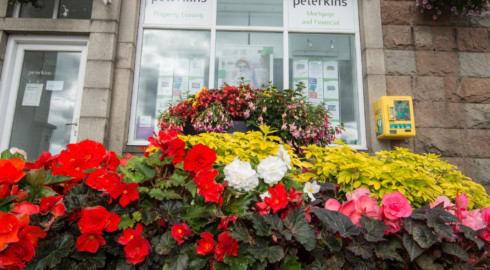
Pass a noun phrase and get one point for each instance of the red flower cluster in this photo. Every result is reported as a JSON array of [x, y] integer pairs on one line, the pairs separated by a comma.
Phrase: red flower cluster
[[11, 171], [226, 245], [200, 157], [92, 224], [17, 240], [180, 232], [136, 247], [280, 201], [52, 204], [170, 145], [208, 188]]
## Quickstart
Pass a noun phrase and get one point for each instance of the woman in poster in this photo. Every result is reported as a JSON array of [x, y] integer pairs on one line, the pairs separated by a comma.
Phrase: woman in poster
[[244, 70]]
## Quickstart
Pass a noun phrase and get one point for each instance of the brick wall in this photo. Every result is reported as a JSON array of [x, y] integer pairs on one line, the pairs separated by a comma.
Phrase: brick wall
[[445, 66]]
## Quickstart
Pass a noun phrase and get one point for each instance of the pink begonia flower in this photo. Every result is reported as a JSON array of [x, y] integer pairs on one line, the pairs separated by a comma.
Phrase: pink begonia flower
[[485, 214], [394, 226], [461, 206], [358, 193], [395, 206], [246, 114], [442, 199], [284, 126], [332, 204], [356, 209], [474, 220]]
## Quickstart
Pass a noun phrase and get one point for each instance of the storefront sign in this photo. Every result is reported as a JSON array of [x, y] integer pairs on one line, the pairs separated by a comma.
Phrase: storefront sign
[[179, 12], [322, 14]]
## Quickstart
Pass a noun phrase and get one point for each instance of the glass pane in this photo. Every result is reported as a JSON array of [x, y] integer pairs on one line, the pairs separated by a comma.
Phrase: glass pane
[[173, 62], [250, 13], [255, 57], [45, 102], [75, 9], [29, 11], [326, 65]]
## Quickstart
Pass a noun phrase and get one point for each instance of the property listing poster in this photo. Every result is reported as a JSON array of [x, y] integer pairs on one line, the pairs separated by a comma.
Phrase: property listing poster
[[252, 63], [320, 77]]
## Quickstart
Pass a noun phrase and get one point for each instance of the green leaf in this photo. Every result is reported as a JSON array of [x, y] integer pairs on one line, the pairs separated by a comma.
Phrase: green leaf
[[238, 206], [388, 251], [300, 228], [50, 255], [464, 266], [6, 154], [470, 234], [418, 214], [263, 251], [194, 211], [171, 210], [163, 244], [290, 263], [179, 260], [333, 243], [425, 237], [55, 179], [125, 222], [456, 250], [136, 171], [413, 249], [274, 221], [260, 226], [157, 194], [373, 229], [361, 248], [409, 224], [98, 259], [179, 178], [148, 217], [337, 222], [426, 262], [359, 263], [239, 262], [8, 199], [335, 262], [191, 187], [440, 216], [241, 234]]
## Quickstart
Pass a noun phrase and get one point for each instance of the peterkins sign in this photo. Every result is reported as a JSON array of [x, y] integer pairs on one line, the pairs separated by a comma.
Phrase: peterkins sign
[[322, 14], [179, 12]]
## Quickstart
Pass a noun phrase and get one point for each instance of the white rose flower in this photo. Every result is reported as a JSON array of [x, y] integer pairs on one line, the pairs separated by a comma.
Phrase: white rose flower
[[272, 169], [284, 155], [311, 188], [240, 175]]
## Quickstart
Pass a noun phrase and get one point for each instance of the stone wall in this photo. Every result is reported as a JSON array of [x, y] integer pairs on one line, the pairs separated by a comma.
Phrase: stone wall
[[445, 66]]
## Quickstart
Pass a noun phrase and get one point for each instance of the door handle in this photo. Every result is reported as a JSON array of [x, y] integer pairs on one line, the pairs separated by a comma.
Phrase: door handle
[[72, 124]]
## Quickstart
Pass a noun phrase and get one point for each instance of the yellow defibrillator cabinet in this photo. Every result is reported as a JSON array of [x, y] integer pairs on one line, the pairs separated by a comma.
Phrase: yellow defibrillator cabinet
[[394, 117]]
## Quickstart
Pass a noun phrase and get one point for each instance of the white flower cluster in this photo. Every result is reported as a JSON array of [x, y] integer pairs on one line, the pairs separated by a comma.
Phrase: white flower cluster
[[240, 175], [272, 169]]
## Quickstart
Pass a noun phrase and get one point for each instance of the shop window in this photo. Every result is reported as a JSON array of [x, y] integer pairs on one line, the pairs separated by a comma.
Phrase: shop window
[[57, 9], [261, 41]]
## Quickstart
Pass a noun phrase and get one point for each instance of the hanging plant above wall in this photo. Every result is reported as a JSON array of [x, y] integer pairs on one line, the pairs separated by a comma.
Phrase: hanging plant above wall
[[438, 7]]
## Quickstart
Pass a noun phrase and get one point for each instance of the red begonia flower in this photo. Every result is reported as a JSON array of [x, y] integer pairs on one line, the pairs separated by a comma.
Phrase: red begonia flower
[[226, 245], [137, 249], [180, 232], [129, 234], [223, 225], [200, 157], [32, 234], [16, 254], [176, 149], [128, 193], [9, 229], [11, 170], [97, 219], [25, 208], [206, 244], [53, 204], [90, 242], [103, 180], [278, 199], [208, 188]]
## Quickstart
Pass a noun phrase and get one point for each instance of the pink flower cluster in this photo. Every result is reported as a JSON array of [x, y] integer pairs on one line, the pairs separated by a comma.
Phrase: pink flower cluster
[[476, 219], [360, 203]]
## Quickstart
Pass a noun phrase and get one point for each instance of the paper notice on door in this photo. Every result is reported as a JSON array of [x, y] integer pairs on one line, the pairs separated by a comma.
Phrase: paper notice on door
[[32, 94], [54, 85]]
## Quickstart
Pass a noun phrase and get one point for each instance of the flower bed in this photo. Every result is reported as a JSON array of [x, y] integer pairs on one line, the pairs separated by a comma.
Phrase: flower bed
[[438, 7], [233, 202]]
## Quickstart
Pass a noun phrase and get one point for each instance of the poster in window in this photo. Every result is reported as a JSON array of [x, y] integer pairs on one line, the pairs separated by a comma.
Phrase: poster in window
[[252, 63], [331, 89], [32, 94], [334, 109], [330, 69]]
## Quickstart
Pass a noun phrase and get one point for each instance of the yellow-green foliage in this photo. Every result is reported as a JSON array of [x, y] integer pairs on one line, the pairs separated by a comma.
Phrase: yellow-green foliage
[[421, 178], [244, 145]]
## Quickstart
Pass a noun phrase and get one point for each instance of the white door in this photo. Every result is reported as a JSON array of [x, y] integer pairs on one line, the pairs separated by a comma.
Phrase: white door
[[42, 82]]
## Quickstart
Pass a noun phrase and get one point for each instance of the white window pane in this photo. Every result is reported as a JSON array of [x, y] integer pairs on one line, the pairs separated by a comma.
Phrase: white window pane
[[256, 57], [173, 62], [45, 11], [326, 65], [250, 13]]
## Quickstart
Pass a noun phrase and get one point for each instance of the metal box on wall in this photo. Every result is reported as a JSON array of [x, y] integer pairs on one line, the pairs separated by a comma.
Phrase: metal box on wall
[[394, 117]]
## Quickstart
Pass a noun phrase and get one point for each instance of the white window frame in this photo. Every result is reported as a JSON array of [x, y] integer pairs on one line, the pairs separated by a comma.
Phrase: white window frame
[[14, 58], [285, 30]]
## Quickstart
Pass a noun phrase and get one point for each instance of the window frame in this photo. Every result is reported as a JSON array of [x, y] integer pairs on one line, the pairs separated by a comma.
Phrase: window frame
[[284, 30]]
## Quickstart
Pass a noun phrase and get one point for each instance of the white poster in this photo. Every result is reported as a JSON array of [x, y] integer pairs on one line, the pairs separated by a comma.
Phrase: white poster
[[54, 85], [180, 85], [196, 67], [190, 13], [145, 121], [322, 14], [32, 94], [330, 69], [331, 89], [300, 68], [333, 108], [315, 69], [165, 84], [195, 85], [252, 63]]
